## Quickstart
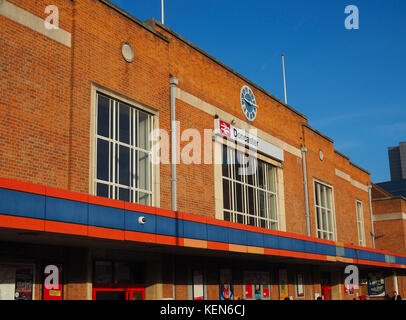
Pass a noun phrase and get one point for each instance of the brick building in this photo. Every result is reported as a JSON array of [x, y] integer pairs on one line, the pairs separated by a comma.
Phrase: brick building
[[389, 220], [82, 191]]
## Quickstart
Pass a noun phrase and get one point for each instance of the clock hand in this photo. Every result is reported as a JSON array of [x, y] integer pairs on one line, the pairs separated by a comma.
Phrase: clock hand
[[249, 102]]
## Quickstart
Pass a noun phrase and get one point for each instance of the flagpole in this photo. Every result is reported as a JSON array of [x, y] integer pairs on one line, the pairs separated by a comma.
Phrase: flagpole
[[284, 78], [162, 12]]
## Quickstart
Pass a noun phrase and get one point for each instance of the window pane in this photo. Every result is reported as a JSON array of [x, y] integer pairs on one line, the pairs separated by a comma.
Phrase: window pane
[[239, 161], [231, 162], [238, 197], [260, 174], [317, 193], [240, 218], [330, 221], [359, 211], [251, 200], [122, 273], [144, 198], [143, 171], [103, 272], [102, 190], [102, 160], [124, 194], [272, 208], [227, 216], [103, 116], [251, 221], [318, 212], [251, 167], [226, 194], [225, 162], [271, 176], [329, 195], [143, 130], [124, 166], [261, 203], [323, 196], [124, 123], [324, 219]]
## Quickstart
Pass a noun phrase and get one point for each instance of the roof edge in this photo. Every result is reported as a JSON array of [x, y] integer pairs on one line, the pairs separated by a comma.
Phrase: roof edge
[[134, 19], [358, 167], [179, 37], [317, 132]]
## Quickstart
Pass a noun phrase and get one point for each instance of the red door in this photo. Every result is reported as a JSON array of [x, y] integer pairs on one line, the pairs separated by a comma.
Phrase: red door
[[118, 293], [326, 292], [325, 281]]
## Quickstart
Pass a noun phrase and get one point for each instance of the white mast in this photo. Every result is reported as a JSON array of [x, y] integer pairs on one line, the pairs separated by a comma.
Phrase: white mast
[[162, 12], [284, 78]]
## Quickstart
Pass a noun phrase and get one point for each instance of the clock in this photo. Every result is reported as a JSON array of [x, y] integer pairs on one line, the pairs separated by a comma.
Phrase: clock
[[248, 103]]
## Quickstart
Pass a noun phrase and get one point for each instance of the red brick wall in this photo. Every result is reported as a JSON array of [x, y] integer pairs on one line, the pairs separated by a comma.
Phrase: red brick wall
[[391, 234], [345, 194], [35, 100], [45, 119]]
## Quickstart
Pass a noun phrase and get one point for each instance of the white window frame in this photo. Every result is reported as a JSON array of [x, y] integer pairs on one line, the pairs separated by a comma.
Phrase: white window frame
[[318, 213], [153, 125], [270, 223], [360, 222]]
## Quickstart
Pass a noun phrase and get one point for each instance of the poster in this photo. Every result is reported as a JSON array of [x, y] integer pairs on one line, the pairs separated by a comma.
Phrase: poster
[[349, 289], [257, 285], [263, 279], [23, 283], [283, 284], [226, 285], [299, 286], [198, 293], [376, 285], [248, 278]]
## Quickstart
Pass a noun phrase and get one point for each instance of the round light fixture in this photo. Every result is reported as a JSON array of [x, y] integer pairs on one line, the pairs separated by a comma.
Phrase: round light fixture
[[128, 52], [321, 155]]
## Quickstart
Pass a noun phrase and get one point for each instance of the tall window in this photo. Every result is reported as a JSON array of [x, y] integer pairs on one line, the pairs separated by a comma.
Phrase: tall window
[[249, 190], [123, 152], [324, 211], [360, 224]]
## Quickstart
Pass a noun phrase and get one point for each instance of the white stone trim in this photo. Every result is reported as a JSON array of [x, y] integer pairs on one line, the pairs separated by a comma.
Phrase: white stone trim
[[225, 116], [33, 22], [390, 216], [343, 175], [348, 178]]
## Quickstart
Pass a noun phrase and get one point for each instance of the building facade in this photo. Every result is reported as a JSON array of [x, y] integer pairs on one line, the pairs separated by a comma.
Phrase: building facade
[[397, 165], [397, 162], [134, 165]]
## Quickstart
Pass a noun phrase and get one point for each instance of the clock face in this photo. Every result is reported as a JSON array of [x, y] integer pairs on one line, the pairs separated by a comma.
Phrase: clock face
[[248, 103]]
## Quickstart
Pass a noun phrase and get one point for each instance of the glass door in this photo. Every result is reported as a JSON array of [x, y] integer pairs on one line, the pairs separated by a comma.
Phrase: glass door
[[118, 294]]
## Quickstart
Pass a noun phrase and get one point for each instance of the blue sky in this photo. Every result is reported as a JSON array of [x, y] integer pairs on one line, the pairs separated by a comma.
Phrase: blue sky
[[351, 84]]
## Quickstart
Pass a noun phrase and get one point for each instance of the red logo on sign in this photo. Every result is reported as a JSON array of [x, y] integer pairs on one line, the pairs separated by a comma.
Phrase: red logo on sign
[[225, 129]]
